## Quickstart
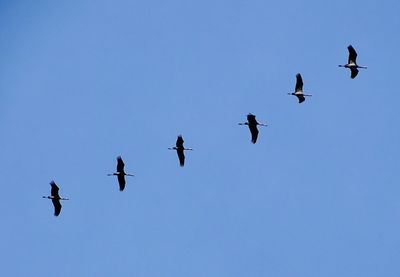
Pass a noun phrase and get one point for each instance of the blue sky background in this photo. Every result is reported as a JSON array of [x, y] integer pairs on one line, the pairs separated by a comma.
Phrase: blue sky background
[[84, 81]]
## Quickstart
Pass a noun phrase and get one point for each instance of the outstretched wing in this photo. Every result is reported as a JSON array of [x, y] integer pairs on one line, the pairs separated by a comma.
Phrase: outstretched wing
[[299, 83], [254, 133], [120, 164], [179, 142], [300, 97], [352, 55], [121, 182], [354, 72], [181, 157], [54, 189], [57, 206], [251, 119]]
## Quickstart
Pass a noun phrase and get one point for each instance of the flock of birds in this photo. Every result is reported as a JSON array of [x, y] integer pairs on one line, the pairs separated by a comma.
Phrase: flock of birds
[[251, 123]]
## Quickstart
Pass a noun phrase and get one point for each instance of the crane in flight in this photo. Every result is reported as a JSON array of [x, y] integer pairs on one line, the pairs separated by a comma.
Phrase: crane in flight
[[351, 63], [120, 173], [180, 149], [298, 89], [55, 198], [252, 123]]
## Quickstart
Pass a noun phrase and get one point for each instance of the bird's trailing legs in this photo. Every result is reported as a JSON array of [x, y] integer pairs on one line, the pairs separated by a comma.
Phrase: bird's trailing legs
[[52, 197], [119, 173], [176, 148], [352, 65], [295, 94], [259, 124]]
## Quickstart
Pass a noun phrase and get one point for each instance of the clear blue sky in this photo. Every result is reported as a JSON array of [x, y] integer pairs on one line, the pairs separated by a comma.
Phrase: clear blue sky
[[82, 82]]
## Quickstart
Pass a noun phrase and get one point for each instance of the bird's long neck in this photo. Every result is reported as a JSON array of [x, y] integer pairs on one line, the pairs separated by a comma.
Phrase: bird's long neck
[[191, 149], [120, 174], [244, 123], [261, 124], [364, 67], [52, 197]]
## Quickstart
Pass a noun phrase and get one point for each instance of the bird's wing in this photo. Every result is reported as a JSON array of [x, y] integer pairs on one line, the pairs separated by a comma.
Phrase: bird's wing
[[120, 164], [352, 55], [251, 118], [354, 72], [254, 133], [57, 206], [300, 97], [121, 182], [299, 83], [179, 142], [54, 189], [181, 157]]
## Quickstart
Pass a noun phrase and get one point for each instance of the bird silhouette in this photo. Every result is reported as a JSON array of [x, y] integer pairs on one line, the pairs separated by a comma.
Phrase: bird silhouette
[[55, 198], [180, 150], [352, 63], [252, 123], [298, 89], [120, 173]]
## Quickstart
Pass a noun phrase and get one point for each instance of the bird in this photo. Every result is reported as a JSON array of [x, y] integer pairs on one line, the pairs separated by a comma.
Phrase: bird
[[120, 173], [252, 123], [351, 63], [180, 149], [55, 198], [298, 90]]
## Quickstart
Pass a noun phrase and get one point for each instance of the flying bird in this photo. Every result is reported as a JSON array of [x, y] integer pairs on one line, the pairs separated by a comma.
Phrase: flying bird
[[120, 173], [252, 123], [55, 198], [180, 149], [298, 90], [351, 63]]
